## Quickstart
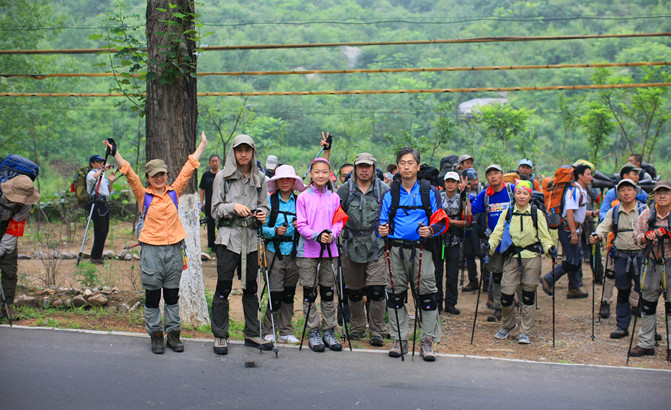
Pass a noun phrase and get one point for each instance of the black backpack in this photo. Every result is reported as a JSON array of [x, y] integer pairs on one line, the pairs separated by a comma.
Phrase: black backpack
[[352, 192], [395, 191]]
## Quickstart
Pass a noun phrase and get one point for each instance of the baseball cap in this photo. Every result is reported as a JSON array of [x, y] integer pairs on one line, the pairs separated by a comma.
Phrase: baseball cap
[[662, 184], [627, 168], [451, 175], [364, 158], [626, 181], [271, 162], [155, 166], [495, 167], [465, 157], [95, 158], [525, 161]]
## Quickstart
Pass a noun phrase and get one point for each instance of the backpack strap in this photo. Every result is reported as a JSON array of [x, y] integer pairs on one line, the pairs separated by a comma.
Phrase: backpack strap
[[395, 192], [351, 191], [425, 195], [148, 198], [616, 220], [274, 208]]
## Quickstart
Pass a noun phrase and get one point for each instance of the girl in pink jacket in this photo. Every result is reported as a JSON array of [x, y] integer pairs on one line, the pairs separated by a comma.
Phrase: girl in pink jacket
[[319, 222]]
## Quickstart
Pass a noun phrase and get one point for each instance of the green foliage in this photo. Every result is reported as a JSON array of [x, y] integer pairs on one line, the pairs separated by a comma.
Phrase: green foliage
[[598, 125], [87, 275]]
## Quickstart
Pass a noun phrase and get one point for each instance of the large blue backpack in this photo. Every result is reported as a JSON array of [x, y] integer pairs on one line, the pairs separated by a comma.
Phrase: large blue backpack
[[15, 165]]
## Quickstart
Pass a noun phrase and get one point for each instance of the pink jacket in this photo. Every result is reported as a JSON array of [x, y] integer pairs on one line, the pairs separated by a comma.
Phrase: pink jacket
[[314, 214]]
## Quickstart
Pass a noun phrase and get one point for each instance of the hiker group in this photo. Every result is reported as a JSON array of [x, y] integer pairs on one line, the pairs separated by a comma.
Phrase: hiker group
[[365, 243]]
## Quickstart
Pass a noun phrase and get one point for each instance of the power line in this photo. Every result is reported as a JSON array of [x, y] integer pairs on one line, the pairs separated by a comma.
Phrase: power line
[[360, 44], [362, 92], [362, 70]]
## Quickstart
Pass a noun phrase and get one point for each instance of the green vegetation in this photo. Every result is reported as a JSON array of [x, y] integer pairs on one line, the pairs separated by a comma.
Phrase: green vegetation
[[551, 127]]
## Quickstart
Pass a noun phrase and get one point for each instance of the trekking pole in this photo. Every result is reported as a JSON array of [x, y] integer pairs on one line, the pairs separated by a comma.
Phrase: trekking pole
[[554, 263], [305, 325], [593, 285], [666, 309], [341, 282], [418, 313], [4, 304], [263, 259], [108, 152], [640, 303], [341, 301], [603, 284], [272, 263], [477, 302], [391, 282]]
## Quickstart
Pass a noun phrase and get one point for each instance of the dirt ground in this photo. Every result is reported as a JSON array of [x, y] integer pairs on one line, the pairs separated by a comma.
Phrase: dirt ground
[[573, 342]]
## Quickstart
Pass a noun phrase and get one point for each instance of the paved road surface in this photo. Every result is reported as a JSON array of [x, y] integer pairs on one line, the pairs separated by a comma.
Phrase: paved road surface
[[64, 369]]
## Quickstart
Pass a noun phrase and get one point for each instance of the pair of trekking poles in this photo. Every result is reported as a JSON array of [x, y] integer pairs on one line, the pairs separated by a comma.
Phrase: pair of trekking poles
[[338, 281]]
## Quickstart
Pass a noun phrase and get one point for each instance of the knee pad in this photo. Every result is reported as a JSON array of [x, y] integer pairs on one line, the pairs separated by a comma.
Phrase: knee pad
[[251, 288], [428, 302], [397, 300], [276, 300], [507, 300], [326, 293], [171, 296], [647, 307], [528, 298], [375, 293], [496, 278], [288, 294], [152, 298], [223, 289], [623, 295], [355, 295], [309, 294]]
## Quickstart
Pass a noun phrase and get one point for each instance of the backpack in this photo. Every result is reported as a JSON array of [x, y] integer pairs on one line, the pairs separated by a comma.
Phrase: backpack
[[395, 191], [145, 207], [506, 231], [352, 192], [14, 165], [429, 173], [553, 192], [274, 213], [78, 186], [650, 169], [482, 223]]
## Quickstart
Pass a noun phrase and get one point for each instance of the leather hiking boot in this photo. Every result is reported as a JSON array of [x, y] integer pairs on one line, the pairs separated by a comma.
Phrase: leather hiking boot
[[545, 285], [490, 302], [157, 346], [426, 349], [604, 311], [619, 333], [452, 310], [256, 342], [471, 287], [357, 335], [495, 317], [639, 351], [220, 345], [396, 350], [331, 341], [173, 341], [315, 341], [579, 293], [376, 341]]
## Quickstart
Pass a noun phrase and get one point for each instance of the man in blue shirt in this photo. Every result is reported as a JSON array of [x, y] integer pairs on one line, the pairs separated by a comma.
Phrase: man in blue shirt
[[406, 219], [492, 202], [628, 171]]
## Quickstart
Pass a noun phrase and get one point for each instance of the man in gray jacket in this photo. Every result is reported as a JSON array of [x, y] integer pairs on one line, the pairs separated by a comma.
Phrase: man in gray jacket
[[239, 202], [363, 267]]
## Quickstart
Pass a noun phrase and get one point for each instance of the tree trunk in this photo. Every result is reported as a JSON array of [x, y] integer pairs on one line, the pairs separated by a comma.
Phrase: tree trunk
[[171, 115]]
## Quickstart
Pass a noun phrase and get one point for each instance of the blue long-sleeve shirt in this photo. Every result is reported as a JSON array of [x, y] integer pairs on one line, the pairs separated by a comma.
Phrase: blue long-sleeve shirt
[[498, 203], [282, 218], [406, 225], [611, 195]]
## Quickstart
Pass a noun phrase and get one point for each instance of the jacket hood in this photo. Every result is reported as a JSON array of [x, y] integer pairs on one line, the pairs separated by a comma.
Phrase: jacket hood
[[231, 166]]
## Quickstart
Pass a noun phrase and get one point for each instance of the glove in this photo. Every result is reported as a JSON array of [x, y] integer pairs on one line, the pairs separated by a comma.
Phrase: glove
[[485, 247], [329, 141], [554, 253], [111, 152]]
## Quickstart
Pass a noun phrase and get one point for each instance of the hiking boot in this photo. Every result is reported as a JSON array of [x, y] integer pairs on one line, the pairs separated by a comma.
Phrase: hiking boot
[[579, 293], [396, 350], [331, 341], [452, 310], [523, 339], [376, 341], [426, 349], [503, 332], [315, 341], [288, 339], [495, 317], [471, 287], [97, 261], [619, 333], [173, 341], [357, 335], [604, 311], [545, 285], [658, 337], [157, 346], [639, 351], [490, 302], [256, 342], [220, 345]]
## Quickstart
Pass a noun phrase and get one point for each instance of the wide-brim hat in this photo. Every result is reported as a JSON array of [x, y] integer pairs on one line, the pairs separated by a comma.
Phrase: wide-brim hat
[[285, 171], [20, 190]]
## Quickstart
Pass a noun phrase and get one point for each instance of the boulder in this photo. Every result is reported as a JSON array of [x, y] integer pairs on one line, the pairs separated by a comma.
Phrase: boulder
[[97, 300], [88, 293], [24, 257], [24, 300], [109, 254], [58, 303], [79, 301]]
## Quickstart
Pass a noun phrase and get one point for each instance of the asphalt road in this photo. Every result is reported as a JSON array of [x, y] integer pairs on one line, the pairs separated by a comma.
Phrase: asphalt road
[[53, 369]]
